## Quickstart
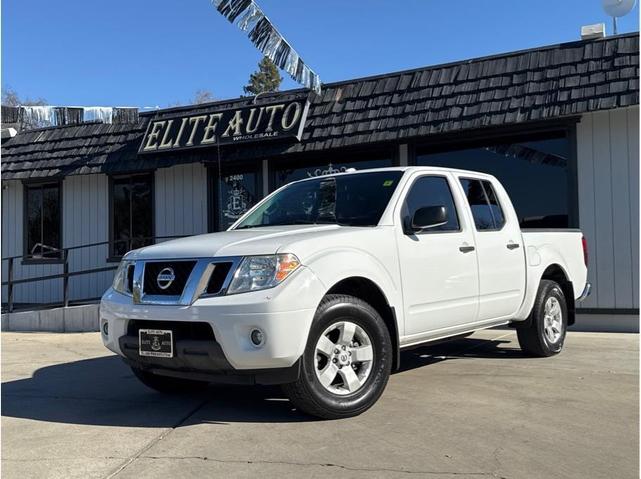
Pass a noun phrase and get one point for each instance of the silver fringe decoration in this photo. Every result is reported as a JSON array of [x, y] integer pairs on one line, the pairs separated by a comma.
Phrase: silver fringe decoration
[[30, 117], [248, 17]]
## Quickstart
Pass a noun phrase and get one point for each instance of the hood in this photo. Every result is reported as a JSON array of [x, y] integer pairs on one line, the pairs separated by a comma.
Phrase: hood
[[244, 242]]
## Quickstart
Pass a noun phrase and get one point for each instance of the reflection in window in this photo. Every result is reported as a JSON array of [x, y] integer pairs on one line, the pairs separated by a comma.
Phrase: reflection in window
[[484, 205], [432, 191], [131, 213], [347, 200], [495, 206], [287, 175], [43, 221], [238, 193], [534, 174]]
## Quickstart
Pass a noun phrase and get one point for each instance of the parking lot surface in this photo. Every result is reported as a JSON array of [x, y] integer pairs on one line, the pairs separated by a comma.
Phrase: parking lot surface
[[471, 408]]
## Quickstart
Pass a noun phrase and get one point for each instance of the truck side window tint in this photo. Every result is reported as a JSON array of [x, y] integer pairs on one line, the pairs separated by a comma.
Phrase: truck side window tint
[[433, 191], [485, 207], [495, 206]]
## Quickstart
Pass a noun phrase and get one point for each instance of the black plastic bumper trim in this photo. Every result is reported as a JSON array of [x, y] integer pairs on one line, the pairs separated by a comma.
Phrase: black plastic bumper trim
[[203, 360]]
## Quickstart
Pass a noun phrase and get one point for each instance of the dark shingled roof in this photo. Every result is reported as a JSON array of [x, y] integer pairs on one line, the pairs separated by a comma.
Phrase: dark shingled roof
[[508, 89], [72, 149]]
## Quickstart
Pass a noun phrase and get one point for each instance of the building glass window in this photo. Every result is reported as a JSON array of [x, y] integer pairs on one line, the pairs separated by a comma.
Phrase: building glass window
[[238, 192], [234, 191], [132, 210], [432, 191], [43, 221], [485, 207], [293, 172], [534, 172]]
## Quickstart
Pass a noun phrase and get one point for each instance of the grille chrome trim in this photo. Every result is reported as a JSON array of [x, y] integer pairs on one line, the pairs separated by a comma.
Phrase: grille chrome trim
[[153, 269], [195, 286]]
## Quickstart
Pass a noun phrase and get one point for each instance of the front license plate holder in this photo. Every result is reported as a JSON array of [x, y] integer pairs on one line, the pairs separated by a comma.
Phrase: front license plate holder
[[156, 343]]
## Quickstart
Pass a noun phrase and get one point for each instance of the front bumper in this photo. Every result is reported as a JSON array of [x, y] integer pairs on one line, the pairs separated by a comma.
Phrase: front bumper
[[199, 359], [283, 313]]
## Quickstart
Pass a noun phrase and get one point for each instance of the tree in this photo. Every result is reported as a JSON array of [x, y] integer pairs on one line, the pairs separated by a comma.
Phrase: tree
[[11, 98], [203, 96], [267, 78]]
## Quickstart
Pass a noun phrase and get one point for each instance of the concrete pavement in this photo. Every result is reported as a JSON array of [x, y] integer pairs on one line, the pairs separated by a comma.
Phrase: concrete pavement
[[467, 409]]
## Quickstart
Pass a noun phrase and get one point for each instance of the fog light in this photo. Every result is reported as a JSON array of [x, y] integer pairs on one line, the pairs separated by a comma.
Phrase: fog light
[[105, 328], [257, 337]]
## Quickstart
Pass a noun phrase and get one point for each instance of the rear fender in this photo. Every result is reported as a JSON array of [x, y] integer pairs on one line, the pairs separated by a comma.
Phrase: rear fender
[[539, 259]]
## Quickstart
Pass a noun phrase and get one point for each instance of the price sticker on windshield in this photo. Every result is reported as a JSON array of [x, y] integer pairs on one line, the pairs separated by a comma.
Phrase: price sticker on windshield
[[388, 182]]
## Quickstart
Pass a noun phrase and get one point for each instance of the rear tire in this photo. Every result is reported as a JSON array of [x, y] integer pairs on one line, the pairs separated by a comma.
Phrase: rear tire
[[547, 326], [347, 360], [167, 384]]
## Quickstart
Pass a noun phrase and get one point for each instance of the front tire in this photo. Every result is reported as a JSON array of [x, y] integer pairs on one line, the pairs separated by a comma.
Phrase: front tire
[[347, 360], [167, 384], [545, 334]]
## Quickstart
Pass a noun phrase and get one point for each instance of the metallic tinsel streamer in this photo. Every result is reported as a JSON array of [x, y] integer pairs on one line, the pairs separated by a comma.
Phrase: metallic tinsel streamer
[[248, 17]]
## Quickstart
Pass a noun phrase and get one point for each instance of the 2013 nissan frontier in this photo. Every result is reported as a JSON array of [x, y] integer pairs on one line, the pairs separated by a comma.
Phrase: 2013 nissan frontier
[[321, 285]]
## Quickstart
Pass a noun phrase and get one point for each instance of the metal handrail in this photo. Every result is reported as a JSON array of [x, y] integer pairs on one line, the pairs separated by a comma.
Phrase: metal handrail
[[89, 245], [66, 274]]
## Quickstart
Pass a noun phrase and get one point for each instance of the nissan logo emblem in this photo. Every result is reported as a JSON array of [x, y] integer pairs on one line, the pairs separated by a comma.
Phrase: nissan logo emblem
[[165, 278]]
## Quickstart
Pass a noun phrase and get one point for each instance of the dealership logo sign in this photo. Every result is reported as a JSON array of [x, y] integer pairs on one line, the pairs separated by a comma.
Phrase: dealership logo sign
[[239, 125], [237, 197]]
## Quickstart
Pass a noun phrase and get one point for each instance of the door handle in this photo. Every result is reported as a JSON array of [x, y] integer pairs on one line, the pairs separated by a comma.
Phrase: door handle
[[466, 249], [512, 245]]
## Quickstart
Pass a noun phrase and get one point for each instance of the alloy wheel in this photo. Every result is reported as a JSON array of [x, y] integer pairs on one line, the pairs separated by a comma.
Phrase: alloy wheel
[[343, 358]]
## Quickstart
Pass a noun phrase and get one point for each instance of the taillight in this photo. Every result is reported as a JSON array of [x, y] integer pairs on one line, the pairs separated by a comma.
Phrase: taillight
[[584, 243]]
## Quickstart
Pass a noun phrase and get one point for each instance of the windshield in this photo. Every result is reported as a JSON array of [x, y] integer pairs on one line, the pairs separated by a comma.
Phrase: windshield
[[348, 200]]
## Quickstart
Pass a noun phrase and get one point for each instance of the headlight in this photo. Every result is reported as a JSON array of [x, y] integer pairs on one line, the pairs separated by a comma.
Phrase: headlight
[[262, 272], [121, 279]]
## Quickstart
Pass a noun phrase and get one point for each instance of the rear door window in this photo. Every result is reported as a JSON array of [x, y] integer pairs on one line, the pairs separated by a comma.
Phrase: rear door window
[[486, 209]]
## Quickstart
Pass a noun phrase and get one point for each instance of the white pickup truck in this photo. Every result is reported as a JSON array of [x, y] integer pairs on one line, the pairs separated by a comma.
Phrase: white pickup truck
[[322, 284]]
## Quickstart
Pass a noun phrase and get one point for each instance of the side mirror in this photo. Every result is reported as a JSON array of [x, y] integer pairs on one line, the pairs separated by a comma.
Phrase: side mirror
[[429, 217]]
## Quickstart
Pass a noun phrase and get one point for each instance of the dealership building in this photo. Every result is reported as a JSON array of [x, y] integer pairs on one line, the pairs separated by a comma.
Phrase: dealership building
[[558, 125]]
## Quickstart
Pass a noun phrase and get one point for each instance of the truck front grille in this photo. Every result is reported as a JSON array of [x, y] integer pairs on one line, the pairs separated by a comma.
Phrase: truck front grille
[[161, 286], [218, 277], [130, 278]]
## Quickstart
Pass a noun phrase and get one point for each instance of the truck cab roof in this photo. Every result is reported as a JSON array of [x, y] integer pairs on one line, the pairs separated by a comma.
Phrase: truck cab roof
[[410, 169]]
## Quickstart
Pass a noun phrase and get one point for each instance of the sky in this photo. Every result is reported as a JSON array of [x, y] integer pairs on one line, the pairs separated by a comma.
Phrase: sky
[[148, 53]]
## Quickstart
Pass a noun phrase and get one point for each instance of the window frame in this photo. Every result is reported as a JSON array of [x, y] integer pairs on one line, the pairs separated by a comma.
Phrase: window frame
[[456, 207], [487, 199], [111, 257], [26, 186]]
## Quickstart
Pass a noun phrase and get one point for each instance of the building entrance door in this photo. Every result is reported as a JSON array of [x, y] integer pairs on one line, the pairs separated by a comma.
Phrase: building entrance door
[[234, 192]]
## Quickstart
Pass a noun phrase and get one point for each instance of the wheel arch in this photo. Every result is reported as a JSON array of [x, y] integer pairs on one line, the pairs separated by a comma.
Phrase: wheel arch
[[368, 291], [555, 272]]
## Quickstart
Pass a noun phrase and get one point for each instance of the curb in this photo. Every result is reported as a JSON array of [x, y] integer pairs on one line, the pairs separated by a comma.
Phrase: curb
[[73, 319]]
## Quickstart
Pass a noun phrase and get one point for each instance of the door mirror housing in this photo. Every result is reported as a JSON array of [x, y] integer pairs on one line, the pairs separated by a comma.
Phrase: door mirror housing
[[429, 217]]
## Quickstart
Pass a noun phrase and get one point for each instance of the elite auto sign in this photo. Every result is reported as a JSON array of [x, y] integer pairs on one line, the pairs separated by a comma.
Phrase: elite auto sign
[[238, 125]]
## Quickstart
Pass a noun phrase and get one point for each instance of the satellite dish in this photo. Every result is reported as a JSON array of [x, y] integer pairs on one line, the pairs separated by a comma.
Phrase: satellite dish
[[618, 8]]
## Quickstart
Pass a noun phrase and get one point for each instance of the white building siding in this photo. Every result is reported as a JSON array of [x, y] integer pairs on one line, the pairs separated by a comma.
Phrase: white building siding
[[181, 200], [608, 180], [85, 220]]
